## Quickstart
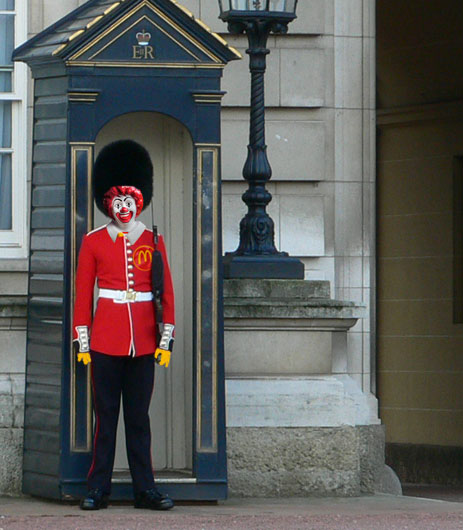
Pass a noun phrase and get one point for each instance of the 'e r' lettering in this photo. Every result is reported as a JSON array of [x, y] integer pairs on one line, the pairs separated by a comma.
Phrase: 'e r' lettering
[[143, 52]]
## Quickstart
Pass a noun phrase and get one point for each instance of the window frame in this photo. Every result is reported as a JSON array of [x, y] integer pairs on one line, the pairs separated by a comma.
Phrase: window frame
[[13, 242]]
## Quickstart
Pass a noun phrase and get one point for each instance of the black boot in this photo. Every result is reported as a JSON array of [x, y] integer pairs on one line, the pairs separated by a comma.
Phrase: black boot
[[153, 500], [94, 500]]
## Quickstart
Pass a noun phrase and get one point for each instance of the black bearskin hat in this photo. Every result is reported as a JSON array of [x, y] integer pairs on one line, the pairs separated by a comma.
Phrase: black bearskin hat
[[123, 163]]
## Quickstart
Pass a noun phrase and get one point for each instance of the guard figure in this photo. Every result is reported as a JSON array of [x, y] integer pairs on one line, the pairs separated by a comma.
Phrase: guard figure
[[122, 340]]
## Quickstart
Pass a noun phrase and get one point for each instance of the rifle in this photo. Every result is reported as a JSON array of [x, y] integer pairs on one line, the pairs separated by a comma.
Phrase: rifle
[[157, 271], [157, 278]]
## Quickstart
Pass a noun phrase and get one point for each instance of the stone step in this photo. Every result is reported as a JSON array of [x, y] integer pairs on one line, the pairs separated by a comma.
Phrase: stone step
[[292, 309], [277, 289]]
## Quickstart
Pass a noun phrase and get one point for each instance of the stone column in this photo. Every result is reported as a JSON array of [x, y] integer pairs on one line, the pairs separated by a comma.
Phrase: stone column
[[297, 423]]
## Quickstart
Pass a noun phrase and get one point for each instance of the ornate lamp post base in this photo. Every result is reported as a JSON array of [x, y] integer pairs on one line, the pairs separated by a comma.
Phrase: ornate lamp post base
[[256, 255], [271, 267]]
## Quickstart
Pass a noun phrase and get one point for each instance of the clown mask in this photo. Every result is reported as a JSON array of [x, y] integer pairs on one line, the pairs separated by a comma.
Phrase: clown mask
[[123, 204], [124, 212]]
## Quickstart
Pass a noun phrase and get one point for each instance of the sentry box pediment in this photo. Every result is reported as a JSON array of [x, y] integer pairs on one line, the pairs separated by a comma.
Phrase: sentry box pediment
[[145, 69], [142, 33]]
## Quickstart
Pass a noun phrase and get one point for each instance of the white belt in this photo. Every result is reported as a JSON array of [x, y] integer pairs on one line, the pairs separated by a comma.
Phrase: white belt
[[121, 297]]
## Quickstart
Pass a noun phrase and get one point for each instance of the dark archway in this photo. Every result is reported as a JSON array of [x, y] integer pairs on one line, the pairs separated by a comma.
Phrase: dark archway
[[420, 273]]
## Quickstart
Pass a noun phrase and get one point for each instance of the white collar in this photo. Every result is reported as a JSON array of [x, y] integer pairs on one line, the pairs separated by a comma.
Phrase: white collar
[[132, 236]]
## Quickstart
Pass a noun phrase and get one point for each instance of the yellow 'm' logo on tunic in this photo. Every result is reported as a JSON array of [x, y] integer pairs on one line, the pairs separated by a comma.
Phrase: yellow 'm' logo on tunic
[[143, 258]]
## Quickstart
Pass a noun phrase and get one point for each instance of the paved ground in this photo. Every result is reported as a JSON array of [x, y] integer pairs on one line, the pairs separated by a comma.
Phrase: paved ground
[[378, 512]]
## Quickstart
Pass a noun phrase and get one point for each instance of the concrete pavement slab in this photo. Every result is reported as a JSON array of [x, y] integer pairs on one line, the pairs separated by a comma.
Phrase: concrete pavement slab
[[376, 512]]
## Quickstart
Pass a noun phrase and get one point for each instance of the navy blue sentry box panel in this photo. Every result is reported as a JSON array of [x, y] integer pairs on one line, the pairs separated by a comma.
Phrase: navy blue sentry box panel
[[105, 59]]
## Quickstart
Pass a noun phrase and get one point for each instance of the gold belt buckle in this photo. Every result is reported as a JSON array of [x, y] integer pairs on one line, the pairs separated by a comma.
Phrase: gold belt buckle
[[131, 296]]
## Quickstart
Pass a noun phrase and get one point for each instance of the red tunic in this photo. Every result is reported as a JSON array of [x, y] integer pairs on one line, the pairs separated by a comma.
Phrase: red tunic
[[120, 328]]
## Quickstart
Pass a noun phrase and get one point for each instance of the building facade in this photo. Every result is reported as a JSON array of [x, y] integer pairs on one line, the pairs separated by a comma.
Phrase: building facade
[[420, 333], [321, 136]]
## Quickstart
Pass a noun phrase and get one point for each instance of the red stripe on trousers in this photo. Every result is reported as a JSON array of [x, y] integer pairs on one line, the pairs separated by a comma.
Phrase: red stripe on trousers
[[92, 467]]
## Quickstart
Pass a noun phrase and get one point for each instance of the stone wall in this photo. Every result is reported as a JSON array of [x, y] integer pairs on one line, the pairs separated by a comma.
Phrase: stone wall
[[12, 340], [305, 461]]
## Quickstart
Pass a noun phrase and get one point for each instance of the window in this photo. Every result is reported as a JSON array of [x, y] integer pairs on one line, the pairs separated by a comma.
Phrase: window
[[13, 147]]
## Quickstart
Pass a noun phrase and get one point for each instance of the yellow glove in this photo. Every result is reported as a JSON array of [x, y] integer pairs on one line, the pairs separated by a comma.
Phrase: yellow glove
[[81, 345], [84, 357], [164, 359]]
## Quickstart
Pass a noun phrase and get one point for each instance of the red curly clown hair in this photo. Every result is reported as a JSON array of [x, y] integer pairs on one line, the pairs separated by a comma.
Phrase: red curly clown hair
[[115, 191]]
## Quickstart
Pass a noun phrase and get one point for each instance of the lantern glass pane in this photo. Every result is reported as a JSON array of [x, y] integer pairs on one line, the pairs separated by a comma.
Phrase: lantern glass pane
[[257, 5], [225, 5], [240, 5], [286, 6], [277, 5], [291, 6]]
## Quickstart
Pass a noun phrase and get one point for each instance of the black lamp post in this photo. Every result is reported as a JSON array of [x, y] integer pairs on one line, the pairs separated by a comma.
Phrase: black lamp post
[[256, 255]]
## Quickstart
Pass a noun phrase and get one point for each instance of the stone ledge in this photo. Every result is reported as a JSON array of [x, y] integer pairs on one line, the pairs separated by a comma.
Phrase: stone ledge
[[283, 289], [297, 402], [13, 306], [291, 309], [14, 265], [270, 324], [286, 299]]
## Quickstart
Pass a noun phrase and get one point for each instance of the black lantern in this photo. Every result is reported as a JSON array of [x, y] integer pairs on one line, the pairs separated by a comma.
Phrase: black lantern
[[256, 255], [266, 6]]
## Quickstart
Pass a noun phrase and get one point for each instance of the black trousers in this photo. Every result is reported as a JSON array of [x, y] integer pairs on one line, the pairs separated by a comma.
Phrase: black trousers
[[134, 379]]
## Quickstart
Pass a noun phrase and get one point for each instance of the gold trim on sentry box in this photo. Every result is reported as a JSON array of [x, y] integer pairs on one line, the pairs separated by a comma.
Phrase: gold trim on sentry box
[[159, 480], [120, 64], [144, 17], [86, 147], [201, 150], [215, 288], [198, 298], [207, 98], [161, 15], [88, 26], [87, 97], [216, 36]]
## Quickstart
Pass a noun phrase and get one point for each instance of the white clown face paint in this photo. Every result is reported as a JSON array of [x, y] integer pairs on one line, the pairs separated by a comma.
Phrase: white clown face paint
[[124, 212]]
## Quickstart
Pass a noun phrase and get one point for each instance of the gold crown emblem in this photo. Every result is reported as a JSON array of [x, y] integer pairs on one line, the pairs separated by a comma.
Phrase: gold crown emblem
[[143, 38]]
